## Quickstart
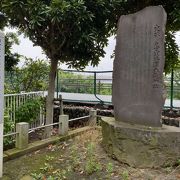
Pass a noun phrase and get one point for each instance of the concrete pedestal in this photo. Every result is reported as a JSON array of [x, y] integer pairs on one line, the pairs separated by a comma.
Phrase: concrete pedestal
[[141, 146]]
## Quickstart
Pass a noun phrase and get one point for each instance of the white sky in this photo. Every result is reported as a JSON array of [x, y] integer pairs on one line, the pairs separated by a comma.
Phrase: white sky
[[26, 48]]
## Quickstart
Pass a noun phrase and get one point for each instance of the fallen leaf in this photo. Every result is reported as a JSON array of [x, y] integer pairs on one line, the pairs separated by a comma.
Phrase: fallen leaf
[[44, 178], [50, 146], [36, 152], [54, 172], [61, 159], [178, 176]]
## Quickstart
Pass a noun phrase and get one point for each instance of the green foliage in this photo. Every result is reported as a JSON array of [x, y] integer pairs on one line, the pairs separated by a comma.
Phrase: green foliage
[[78, 83], [176, 84], [11, 59], [125, 175], [74, 32], [172, 9], [29, 111], [49, 158], [8, 124], [2, 20], [177, 77], [92, 165], [8, 127], [172, 52], [46, 168], [37, 176], [109, 170], [32, 76]]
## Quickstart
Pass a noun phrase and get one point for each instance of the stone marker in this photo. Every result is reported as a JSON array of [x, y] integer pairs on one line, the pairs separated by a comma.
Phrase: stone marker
[[138, 67], [1, 98], [138, 95]]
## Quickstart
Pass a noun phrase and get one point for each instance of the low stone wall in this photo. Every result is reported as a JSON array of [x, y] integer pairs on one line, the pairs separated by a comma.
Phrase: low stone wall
[[169, 117], [171, 121], [79, 111]]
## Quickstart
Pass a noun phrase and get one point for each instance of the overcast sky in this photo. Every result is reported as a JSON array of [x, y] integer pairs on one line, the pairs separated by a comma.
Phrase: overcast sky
[[26, 48]]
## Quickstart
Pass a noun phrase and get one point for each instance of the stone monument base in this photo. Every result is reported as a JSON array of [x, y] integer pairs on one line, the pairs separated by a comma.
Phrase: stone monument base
[[141, 146]]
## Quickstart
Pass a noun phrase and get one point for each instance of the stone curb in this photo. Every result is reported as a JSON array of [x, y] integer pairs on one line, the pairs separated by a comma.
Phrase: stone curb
[[15, 153]]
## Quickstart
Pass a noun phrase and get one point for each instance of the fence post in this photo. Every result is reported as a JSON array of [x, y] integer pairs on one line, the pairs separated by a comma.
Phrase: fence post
[[22, 136], [172, 89], [92, 118], [95, 83], [57, 83], [61, 105], [63, 124]]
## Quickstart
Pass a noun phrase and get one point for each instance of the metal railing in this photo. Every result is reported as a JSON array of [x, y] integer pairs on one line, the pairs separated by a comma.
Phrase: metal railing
[[62, 121], [13, 101], [85, 82], [99, 83]]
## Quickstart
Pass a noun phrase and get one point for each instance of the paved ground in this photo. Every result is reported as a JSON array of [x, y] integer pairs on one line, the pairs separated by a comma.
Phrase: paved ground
[[78, 97]]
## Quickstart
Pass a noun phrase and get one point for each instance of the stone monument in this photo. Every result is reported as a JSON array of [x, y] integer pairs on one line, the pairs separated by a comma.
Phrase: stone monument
[[138, 67], [1, 98], [136, 136]]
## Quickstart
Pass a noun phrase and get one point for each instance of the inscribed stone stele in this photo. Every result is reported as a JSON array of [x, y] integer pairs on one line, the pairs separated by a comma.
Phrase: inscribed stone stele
[[138, 67]]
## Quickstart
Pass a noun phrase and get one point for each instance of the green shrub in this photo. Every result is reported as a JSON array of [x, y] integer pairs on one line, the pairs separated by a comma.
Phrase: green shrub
[[8, 127], [29, 111]]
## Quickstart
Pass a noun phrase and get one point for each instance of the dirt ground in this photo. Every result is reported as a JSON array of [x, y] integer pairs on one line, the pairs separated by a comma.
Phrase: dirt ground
[[80, 158]]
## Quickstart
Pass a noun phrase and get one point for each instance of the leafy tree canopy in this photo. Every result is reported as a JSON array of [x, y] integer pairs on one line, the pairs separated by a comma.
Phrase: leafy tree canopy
[[76, 31], [72, 31], [173, 24], [2, 20], [11, 59], [32, 76]]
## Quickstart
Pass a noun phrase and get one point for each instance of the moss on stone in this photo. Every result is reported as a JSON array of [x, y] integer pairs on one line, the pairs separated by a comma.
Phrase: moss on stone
[[140, 147]]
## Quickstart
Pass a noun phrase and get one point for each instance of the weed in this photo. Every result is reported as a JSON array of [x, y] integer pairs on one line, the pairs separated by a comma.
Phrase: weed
[[125, 175], [178, 162], [168, 169], [47, 167], [92, 165], [49, 158], [109, 169], [50, 178], [37, 176], [74, 156]]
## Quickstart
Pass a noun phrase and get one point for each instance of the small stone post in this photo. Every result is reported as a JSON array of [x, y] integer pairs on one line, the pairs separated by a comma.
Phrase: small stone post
[[63, 124], [92, 118], [22, 136]]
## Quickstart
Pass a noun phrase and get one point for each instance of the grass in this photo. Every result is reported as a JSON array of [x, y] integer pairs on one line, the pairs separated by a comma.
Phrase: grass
[[79, 158]]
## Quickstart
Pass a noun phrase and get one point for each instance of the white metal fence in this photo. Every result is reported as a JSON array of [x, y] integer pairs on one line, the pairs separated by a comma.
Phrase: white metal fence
[[13, 101]]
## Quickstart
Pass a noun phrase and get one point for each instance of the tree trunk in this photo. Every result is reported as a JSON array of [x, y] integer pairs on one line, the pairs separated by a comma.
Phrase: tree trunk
[[50, 97]]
